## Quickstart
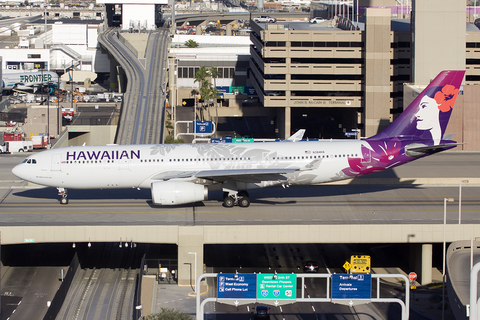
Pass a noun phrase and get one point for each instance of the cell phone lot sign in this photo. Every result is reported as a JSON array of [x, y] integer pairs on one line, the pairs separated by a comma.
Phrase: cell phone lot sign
[[241, 286], [276, 286]]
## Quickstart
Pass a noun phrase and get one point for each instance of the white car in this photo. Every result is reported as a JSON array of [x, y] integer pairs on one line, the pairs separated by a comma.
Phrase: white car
[[265, 19], [317, 20]]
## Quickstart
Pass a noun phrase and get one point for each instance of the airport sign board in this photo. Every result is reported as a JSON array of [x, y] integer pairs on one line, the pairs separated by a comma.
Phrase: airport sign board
[[277, 286], [236, 286], [360, 264], [352, 286], [203, 127]]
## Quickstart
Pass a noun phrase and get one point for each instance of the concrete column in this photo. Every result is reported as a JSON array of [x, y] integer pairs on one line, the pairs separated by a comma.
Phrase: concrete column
[[113, 74], [377, 71], [190, 239], [426, 275], [431, 56], [229, 29], [287, 123]]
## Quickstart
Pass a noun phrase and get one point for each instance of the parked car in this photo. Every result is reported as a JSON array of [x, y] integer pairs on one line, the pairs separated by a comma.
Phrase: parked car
[[265, 19], [317, 20]]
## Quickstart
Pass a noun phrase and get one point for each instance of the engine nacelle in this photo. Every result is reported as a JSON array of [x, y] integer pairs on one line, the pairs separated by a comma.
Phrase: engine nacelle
[[168, 193]]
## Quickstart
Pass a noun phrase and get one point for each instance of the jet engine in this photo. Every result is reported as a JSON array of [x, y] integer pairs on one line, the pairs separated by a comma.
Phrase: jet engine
[[168, 193]]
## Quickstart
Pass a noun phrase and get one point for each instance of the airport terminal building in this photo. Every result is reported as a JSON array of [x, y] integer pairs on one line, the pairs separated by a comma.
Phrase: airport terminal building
[[332, 80]]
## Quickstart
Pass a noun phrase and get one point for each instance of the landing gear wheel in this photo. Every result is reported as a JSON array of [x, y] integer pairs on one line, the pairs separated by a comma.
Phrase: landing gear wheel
[[244, 202], [229, 202], [64, 200], [21, 150]]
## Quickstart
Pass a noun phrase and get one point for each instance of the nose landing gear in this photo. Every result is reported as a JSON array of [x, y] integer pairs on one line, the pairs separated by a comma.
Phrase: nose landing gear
[[63, 195]]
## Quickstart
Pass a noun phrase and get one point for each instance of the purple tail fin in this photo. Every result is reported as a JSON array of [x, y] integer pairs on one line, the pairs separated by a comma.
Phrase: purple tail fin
[[426, 118]]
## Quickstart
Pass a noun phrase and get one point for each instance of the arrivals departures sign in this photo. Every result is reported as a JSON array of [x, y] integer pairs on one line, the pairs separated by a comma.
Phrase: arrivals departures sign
[[257, 286], [352, 286]]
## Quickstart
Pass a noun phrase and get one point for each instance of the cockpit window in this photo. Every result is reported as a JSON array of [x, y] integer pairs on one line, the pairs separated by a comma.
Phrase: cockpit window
[[34, 161]]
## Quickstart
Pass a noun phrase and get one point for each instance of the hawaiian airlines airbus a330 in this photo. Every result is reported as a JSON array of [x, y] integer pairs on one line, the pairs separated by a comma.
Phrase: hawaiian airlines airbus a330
[[184, 173]]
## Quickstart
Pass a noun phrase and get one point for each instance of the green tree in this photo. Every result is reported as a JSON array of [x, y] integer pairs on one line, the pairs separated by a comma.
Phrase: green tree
[[169, 314], [171, 139], [202, 76], [191, 44]]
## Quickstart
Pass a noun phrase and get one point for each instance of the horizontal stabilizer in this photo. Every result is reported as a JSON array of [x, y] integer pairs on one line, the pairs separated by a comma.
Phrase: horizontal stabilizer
[[448, 136], [428, 148]]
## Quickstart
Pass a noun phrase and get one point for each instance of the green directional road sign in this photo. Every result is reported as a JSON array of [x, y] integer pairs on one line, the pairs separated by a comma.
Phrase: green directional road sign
[[279, 286]]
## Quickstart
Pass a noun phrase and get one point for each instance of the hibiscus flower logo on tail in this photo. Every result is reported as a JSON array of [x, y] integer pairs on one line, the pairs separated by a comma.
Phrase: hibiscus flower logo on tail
[[446, 97], [376, 158]]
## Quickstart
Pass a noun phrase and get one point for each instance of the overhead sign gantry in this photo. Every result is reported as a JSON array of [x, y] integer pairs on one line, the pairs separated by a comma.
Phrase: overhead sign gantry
[[279, 289]]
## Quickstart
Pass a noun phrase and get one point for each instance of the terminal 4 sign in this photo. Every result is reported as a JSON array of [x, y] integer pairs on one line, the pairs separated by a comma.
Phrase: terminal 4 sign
[[236, 286], [352, 286]]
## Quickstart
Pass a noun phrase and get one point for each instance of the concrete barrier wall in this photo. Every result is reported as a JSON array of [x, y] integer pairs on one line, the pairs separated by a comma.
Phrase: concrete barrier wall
[[236, 234]]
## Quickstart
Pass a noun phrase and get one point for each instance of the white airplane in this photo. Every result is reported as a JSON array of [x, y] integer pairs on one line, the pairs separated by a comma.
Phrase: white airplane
[[184, 173], [27, 80]]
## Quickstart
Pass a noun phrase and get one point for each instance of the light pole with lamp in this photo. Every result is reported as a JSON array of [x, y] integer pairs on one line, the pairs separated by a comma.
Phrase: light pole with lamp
[[460, 208], [195, 267], [445, 200]]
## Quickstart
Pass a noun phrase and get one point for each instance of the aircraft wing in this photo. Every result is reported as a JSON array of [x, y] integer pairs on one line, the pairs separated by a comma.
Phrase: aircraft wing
[[228, 174]]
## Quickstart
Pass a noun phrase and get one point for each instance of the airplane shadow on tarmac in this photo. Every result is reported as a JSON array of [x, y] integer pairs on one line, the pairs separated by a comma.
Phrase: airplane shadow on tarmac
[[256, 195]]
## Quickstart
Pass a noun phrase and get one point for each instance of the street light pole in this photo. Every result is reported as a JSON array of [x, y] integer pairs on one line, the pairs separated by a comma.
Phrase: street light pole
[[195, 267], [460, 208], [445, 200]]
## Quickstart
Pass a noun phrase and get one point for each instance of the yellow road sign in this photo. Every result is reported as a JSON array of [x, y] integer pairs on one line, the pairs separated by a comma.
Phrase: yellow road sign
[[360, 263], [184, 103], [347, 265]]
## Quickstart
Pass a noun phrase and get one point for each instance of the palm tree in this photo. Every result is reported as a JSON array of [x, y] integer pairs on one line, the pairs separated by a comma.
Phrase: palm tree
[[215, 73], [194, 93]]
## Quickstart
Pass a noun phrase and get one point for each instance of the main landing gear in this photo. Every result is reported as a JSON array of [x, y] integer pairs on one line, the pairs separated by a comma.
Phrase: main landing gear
[[62, 192], [240, 199]]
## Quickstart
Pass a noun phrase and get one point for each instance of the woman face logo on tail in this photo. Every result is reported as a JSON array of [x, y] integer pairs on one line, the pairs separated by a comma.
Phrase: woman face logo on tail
[[437, 102]]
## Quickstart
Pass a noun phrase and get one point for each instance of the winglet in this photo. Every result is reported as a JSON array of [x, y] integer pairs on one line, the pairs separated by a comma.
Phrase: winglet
[[297, 136]]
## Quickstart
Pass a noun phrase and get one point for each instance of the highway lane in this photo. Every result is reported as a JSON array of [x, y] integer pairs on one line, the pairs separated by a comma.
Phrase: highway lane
[[144, 99]]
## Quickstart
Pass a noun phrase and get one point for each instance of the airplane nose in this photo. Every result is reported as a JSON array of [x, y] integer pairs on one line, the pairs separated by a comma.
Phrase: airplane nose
[[17, 171]]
